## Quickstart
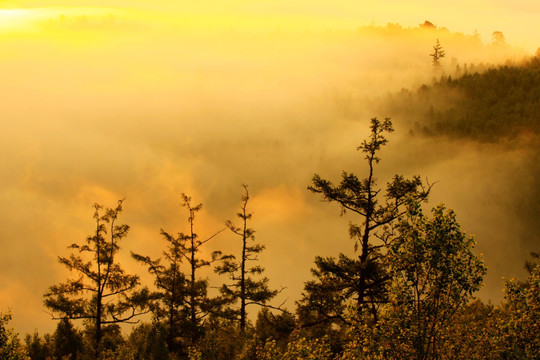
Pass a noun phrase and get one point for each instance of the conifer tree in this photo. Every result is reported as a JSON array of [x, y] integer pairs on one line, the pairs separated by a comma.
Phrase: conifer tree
[[363, 279], [102, 293], [244, 287], [181, 299], [437, 55]]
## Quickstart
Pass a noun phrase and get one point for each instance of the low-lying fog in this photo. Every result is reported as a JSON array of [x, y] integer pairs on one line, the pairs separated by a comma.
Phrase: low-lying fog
[[102, 107]]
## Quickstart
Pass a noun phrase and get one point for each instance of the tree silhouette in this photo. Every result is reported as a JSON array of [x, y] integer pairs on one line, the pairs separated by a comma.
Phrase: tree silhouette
[[182, 297], [437, 55], [244, 287], [362, 279], [102, 293], [169, 302]]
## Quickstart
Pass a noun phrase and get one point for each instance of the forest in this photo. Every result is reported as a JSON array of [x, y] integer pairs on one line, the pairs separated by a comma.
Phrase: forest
[[407, 293], [408, 290]]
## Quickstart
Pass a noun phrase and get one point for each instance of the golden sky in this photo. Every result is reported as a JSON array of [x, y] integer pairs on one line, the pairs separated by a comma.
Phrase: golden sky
[[103, 100]]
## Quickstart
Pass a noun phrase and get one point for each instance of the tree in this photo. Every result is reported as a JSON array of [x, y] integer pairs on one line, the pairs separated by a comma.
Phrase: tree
[[169, 302], [362, 279], [244, 287], [10, 345], [434, 274], [522, 310], [103, 293], [498, 38], [68, 341], [437, 55], [182, 298]]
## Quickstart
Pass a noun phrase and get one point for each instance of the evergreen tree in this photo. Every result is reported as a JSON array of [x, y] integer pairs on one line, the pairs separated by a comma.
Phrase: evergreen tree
[[103, 293], [181, 299], [244, 287], [437, 55], [67, 341], [169, 302], [362, 280]]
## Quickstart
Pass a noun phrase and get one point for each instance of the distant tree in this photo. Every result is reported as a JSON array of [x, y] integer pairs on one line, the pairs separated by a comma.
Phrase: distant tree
[[428, 25], [498, 38], [10, 345], [103, 294], [437, 55], [361, 280], [244, 288]]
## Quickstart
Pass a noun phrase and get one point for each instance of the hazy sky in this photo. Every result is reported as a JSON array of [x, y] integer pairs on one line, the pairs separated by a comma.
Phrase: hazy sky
[[147, 101]]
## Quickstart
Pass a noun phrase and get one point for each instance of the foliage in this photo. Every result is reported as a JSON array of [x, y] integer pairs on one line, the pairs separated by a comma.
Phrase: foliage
[[434, 274], [363, 279], [103, 293], [169, 302], [148, 342], [68, 341], [277, 327], [181, 299], [10, 345], [437, 55], [299, 348], [523, 315], [501, 102], [244, 288]]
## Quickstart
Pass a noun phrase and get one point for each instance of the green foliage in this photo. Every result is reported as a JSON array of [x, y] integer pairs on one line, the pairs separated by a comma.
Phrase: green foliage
[[38, 348], [181, 300]]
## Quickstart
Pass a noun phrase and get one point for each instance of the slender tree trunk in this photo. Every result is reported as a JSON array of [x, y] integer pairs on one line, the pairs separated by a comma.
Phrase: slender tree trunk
[[98, 325], [243, 277], [365, 238], [100, 289], [192, 300]]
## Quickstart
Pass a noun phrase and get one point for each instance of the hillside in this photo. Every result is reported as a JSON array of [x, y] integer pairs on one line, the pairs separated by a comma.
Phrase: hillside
[[502, 102]]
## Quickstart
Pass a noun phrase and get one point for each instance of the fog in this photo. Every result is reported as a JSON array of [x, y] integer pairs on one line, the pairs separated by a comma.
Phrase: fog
[[103, 105]]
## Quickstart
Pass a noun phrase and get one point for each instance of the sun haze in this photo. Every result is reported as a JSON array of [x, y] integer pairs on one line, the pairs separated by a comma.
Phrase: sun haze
[[144, 100]]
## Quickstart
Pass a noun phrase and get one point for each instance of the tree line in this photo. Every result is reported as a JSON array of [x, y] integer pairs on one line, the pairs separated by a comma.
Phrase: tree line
[[484, 103], [406, 293]]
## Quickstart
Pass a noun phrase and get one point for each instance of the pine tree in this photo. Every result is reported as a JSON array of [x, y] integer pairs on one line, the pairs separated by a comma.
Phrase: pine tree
[[363, 279], [437, 55], [103, 293], [244, 287]]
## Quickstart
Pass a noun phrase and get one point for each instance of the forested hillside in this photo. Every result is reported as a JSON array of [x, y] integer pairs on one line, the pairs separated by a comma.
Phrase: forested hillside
[[502, 102]]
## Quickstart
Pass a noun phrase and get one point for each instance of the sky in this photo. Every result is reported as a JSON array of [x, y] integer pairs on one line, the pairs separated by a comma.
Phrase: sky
[[105, 100]]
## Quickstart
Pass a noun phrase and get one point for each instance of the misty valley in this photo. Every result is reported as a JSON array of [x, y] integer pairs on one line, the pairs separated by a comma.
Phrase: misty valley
[[368, 194]]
